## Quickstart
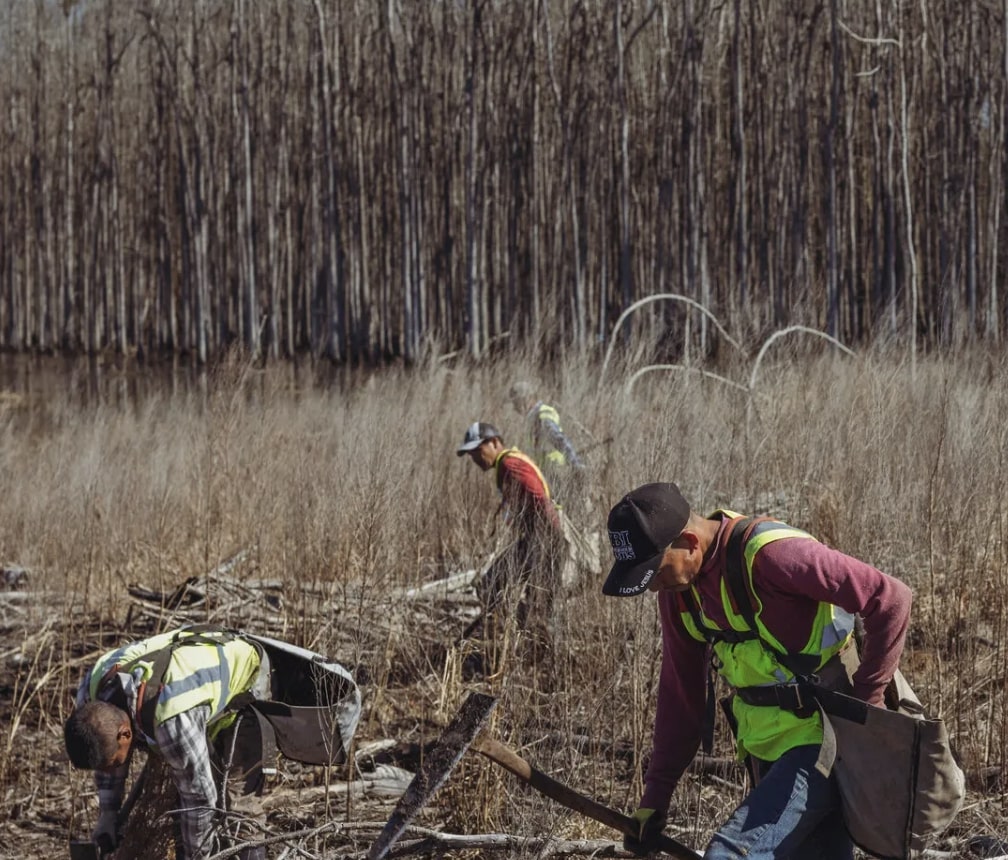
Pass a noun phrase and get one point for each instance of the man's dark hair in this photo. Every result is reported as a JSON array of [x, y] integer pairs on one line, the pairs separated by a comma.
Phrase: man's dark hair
[[91, 734]]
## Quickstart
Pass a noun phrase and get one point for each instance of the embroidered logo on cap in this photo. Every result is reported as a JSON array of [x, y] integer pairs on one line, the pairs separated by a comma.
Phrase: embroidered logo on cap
[[621, 546]]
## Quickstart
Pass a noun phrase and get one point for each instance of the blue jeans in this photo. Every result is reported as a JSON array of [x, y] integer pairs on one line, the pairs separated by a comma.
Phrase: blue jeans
[[794, 813]]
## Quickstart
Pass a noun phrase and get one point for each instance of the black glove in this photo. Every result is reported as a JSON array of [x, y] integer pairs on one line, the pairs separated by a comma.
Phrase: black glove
[[650, 823]]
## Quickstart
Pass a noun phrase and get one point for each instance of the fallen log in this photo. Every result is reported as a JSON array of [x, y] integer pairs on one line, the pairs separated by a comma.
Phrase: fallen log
[[441, 588], [385, 781], [525, 846]]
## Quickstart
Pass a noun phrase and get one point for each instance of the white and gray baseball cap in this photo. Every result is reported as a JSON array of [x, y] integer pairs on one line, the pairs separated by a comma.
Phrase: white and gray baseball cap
[[477, 433]]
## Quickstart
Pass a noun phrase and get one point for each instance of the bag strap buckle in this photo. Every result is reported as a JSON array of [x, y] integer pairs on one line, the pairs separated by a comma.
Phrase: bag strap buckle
[[789, 696], [797, 696]]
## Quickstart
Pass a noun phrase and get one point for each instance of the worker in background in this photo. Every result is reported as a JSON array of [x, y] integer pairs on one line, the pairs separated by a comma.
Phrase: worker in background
[[549, 446], [530, 565]]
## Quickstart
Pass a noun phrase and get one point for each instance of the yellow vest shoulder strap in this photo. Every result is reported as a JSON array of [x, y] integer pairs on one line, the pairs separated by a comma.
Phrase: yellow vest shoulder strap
[[514, 452]]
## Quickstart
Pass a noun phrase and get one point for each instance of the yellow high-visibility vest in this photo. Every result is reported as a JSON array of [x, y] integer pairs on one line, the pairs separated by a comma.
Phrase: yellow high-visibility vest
[[198, 673], [764, 731]]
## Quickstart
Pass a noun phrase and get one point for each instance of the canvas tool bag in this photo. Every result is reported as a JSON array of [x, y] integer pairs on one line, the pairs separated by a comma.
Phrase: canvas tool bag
[[898, 777], [315, 706], [310, 715]]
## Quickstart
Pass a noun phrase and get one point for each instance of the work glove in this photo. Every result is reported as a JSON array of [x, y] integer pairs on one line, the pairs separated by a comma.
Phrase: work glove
[[106, 835], [649, 824]]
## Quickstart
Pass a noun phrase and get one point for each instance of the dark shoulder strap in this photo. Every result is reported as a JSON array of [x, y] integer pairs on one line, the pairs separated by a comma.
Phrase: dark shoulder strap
[[150, 690], [685, 602], [737, 592], [744, 600], [736, 574]]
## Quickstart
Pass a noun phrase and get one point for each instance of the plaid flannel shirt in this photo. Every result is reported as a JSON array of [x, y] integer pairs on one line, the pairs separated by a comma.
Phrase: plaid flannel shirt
[[182, 743]]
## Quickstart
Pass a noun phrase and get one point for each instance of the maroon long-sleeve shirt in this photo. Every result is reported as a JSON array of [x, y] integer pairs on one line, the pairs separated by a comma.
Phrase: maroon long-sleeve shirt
[[525, 497], [791, 576]]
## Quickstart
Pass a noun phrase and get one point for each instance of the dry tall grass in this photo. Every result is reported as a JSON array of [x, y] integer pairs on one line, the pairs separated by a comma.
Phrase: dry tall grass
[[356, 484]]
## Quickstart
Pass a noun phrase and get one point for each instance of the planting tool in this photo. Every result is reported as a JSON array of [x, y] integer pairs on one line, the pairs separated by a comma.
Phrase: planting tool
[[567, 796], [436, 767], [464, 732], [86, 849]]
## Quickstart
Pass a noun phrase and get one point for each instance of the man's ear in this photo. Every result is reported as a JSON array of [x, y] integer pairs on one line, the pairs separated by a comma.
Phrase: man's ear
[[689, 540]]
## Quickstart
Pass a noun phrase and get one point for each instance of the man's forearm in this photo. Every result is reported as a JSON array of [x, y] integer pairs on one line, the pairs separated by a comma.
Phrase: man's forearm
[[679, 710]]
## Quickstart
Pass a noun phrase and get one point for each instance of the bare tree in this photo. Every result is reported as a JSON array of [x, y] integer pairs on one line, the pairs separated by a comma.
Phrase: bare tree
[[351, 181]]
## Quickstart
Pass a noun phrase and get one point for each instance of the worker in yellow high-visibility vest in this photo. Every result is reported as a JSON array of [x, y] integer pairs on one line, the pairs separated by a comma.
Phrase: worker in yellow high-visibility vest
[[774, 607], [190, 696]]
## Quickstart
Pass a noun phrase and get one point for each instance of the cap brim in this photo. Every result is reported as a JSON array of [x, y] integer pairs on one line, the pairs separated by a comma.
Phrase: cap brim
[[628, 580], [467, 447]]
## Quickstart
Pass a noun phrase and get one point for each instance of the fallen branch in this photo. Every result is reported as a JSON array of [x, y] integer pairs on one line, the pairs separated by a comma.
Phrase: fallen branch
[[384, 781], [525, 846], [435, 843], [442, 587]]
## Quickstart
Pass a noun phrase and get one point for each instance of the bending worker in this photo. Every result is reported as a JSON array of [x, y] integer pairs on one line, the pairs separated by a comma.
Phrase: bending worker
[[526, 505], [802, 597], [189, 696]]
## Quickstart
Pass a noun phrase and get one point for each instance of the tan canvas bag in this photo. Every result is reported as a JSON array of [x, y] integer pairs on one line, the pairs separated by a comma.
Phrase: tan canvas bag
[[899, 780], [898, 777]]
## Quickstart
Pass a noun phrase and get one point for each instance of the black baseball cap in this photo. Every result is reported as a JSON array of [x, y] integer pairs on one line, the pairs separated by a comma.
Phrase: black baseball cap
[[641, 526]]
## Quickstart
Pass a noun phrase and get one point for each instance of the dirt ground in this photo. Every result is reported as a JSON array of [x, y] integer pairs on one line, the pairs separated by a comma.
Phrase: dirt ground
[[45, 646]]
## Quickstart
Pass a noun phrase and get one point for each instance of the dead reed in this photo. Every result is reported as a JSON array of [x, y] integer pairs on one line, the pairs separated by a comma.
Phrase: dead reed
[[354, 486]]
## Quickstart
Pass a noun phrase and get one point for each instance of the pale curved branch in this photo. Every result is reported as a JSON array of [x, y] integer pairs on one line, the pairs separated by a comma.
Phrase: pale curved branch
[[676, 297], [652, 367], [779, 334], [868, 40]]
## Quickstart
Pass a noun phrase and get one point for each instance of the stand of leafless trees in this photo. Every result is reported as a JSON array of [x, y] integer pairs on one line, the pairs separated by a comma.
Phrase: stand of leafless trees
[[363, 180]]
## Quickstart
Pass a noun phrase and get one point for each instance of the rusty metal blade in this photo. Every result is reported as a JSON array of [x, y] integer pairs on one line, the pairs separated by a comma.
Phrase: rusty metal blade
[[434, 771]]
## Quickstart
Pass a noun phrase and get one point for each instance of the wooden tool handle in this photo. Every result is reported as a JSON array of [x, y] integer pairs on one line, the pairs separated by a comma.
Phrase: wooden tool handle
[[511, 761]]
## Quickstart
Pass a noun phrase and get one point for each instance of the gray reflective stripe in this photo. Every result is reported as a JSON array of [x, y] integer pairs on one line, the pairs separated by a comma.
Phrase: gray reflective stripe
[[187, 683], [106, 663], [837, 631], [194, 680], [225, 686], [549, 413], [98, 673], [781, 676], [114, 657]]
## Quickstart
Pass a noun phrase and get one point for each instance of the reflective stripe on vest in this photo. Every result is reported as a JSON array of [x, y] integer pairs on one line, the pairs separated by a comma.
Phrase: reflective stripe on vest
[[768, 732], [197, 674], [514, 452]]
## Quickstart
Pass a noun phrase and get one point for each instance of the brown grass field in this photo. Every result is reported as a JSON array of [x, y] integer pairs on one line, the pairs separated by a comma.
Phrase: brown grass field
[[333, 495]]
